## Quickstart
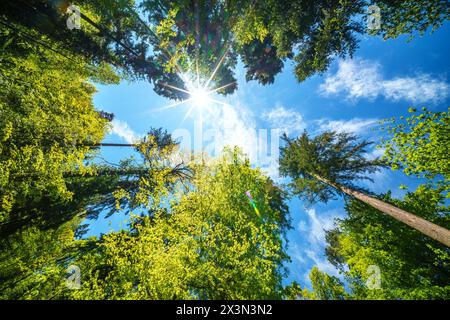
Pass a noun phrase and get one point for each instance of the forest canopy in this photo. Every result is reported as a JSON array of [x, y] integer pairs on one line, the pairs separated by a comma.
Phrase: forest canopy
[[208, 227]]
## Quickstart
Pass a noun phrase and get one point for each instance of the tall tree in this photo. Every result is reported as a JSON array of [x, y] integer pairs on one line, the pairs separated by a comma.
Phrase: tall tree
[[205, 243], [315, 32], [411, 17], [419, 144], [37, 250], [195, 45], [46, 114], [110, 32], [161, 41], [34, 262], [326, 165], [93, 190], [324, 287], [365, 245]]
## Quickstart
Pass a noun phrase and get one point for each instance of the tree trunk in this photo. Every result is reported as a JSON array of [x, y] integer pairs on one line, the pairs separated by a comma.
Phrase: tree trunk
[[110, 172], [426, 227], [114, 145]]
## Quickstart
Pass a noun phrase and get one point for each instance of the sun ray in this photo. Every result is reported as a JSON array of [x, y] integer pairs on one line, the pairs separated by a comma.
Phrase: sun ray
[[175, 88], [222, 87], [198, 74], [173, 105], [219, 102], [213, 74], [188, 113]]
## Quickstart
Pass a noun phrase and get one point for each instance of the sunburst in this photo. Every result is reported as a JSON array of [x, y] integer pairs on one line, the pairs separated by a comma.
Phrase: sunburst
[[199, 91]]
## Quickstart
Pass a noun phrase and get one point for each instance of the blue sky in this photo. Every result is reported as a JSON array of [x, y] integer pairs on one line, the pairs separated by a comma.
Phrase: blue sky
[[383, 79]]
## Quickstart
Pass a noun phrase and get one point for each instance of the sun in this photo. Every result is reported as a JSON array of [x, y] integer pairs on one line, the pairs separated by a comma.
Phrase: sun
[[199, 91], [200, 97]]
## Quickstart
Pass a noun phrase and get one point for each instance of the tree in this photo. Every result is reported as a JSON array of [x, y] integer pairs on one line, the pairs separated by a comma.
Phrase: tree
[[315, 32], [261, 61], [93, 191], [161, 40], [33, 262], [325, 287], [411, 267], [327, 165], [110, 33], [293, 291], [205, 243], [46, 114], [37, 250], [411, 16], [318, 29], [195, 42], [48, 127], [419, 146]]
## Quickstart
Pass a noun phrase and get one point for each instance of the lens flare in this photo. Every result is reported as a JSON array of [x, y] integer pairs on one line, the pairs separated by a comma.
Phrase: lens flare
[[200, 97], [199, 91], [252, 202]]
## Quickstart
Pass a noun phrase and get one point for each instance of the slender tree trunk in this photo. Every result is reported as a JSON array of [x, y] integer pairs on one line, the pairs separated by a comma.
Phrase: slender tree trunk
[[424, 226], [110, 172], [114, 145]]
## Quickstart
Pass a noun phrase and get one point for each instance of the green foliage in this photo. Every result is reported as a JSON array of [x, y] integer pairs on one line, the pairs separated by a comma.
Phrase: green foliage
[[193, 234], [314, 30], [209, 244], [34, 259], [325, 287], [318, 31], [110, 32], [153, 179], [33, 262], [336, 157], [166, 39], [419, 146], [193, 39], [293, 292], [46, 116], [261, 61], [411, 16], [412, 266]]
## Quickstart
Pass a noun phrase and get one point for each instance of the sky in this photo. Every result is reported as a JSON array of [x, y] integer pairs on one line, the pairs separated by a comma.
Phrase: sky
[[382, 79]]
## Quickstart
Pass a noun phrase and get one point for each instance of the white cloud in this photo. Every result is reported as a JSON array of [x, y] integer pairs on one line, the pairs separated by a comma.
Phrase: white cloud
[[297, 253], [360, 78], [312, 229], [318, 225], [302, 226], [375, 153], [422, 88], [287, 120], [382, 181], [123, 130], [230, 125], [322, 263], [233, 125], [355, 125]]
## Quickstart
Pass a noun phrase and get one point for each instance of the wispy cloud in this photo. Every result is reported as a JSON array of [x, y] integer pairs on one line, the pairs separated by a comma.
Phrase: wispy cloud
[[123, 130], [375, 153], [235, 126], [318, 224], [360, 78], [355, 125], [312, 230], [322, 263], [287, 120]]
